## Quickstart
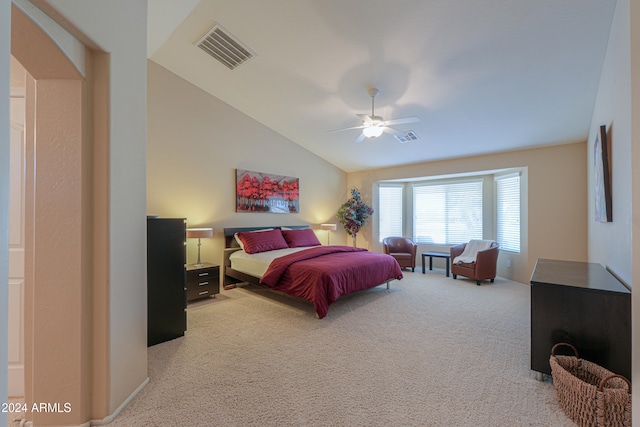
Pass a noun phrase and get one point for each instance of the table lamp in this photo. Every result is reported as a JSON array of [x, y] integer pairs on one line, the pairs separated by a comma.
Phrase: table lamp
[[329, 228], [199, 233]]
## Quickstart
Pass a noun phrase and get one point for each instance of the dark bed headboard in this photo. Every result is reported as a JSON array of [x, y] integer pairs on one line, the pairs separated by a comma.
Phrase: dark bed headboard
[[230, 242]]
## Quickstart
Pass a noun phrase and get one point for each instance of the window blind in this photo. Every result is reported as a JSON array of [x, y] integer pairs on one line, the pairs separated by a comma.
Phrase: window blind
[[508, 212], [447, 213], [390, 212]]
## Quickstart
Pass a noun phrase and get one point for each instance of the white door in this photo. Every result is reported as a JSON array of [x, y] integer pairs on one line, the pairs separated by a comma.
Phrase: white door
[[16, 250]]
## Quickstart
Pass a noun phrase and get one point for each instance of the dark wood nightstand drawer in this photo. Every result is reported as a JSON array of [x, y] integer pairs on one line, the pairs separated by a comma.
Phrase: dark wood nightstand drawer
[[200, 293], [202, 281]]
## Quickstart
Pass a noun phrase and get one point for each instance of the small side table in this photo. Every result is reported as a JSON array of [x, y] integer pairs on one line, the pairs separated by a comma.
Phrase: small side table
[[202, 281], [431, 255]]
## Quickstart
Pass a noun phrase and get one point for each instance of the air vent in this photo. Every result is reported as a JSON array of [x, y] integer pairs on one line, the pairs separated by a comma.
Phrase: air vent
[[408, 136], [225, 47]]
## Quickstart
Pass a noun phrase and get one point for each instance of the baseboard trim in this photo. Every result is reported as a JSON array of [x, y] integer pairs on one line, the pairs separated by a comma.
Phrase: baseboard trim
[[109, 418], [106, 420], [24, 423], [15, 380]]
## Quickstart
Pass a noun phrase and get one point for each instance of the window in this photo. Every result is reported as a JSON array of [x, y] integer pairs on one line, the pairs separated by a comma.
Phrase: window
[[390, 212], [447, 213], [508, 212]]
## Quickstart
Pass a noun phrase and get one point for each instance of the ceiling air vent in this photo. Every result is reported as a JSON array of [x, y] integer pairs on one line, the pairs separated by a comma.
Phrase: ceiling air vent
[[225, 47], [408, 136]]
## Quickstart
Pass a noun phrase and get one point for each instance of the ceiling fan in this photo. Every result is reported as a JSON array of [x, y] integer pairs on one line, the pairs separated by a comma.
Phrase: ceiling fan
[[373, 126]]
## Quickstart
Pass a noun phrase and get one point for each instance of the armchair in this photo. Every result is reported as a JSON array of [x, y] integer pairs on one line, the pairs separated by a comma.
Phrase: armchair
[[402, 249], [484, 267]]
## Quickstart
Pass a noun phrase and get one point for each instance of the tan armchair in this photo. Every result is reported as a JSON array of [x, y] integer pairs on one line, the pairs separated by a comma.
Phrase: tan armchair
[[402, 249], [484, 268]]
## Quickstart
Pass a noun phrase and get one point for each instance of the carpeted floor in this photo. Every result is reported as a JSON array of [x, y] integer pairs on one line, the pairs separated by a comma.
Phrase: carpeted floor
[[431, 351]]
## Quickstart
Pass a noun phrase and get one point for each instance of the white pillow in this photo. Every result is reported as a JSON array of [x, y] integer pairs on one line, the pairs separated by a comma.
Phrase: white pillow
[[235, 236]]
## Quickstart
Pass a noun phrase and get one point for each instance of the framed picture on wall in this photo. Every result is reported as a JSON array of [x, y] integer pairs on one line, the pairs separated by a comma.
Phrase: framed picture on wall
[[602, 176], [263, 192]]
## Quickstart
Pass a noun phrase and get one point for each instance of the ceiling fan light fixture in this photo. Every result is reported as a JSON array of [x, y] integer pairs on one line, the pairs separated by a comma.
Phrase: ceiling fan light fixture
[[372, 131], [373, 126]]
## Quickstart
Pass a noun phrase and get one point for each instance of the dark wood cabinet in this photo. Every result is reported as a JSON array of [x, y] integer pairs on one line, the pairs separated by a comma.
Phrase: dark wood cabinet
[[202, 281], [166, 293], [583, 304]]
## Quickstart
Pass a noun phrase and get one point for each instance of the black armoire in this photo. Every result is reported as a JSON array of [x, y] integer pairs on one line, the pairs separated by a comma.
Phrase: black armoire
[[166, 279]]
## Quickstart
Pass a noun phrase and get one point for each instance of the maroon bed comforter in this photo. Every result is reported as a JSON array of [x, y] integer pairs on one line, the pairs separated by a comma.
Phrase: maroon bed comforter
[[323, 274]]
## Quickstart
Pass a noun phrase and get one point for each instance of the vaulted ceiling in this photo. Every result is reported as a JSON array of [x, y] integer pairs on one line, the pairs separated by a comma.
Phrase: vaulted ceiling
[[483, 76]]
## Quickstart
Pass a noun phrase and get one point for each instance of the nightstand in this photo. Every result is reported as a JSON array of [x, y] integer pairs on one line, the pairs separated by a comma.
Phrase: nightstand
[[202, 281]]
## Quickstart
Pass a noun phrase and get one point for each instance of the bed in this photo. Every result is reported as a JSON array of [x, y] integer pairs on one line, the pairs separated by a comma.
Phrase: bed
[[301, 266]]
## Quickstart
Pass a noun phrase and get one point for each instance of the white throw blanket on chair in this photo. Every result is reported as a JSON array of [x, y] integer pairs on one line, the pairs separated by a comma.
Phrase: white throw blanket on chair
[[470, 251]]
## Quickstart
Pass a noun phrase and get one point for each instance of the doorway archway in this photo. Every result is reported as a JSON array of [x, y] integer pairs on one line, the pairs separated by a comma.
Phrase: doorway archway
[[58, 320]]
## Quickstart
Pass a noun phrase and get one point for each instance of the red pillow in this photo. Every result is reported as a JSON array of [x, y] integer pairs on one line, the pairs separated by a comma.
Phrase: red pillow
[[264, 241], [301, 238]]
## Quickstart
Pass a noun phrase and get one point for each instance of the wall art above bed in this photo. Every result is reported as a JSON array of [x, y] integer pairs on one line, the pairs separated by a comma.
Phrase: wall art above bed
[[263, 192]]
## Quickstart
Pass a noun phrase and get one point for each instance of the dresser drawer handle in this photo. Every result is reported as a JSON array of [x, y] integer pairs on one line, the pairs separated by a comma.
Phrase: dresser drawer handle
[[203, 293], [203, 283], [203, 274]]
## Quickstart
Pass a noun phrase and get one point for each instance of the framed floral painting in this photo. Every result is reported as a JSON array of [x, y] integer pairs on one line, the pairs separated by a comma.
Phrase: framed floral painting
[[263, 192]]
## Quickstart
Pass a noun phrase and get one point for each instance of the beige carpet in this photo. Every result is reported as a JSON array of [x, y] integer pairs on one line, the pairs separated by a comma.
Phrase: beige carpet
[[431, 351]]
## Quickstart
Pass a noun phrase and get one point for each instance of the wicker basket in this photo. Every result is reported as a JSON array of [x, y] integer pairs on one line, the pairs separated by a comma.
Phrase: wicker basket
[[589, 394]]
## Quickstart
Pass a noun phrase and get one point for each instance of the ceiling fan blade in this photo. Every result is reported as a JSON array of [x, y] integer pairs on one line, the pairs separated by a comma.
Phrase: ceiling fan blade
[[340, 130], [393, 131], [360, 138], [401, 121], [365, 117]]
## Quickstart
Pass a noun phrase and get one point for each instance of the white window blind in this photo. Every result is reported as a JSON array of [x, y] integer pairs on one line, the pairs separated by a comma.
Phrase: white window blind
[[508, 212], [447, 213], [390, 212]]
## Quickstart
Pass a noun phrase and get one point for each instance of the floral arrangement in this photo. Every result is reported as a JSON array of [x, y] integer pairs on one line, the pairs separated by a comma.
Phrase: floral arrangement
[[353, 214]]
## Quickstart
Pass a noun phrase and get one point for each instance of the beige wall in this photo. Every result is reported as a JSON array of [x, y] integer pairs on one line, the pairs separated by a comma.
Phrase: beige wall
[[126, 129], [554, 200], [195, 144], [610, 244], [56, 268], [618, 107], [57, 286], [120, 85]]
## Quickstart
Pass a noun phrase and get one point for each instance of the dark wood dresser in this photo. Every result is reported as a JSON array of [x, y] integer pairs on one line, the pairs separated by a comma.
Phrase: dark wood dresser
[[202, 281], [583, 304], [166, 290]]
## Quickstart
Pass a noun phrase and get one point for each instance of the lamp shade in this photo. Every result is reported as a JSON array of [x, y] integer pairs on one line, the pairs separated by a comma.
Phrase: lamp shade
[[372, 131], [198, 233], [331, 227]]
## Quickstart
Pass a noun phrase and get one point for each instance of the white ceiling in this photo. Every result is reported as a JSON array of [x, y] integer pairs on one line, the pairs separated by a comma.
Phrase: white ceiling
[[483, 76]]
